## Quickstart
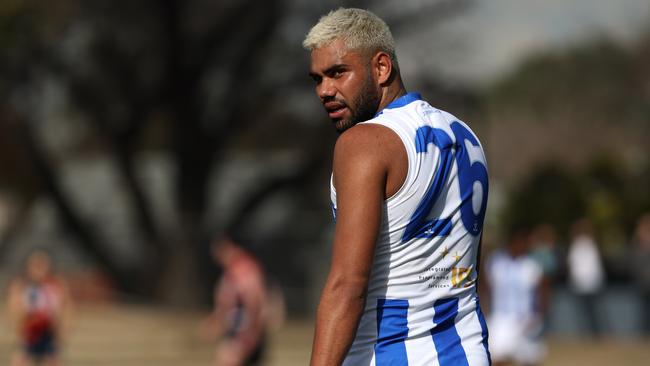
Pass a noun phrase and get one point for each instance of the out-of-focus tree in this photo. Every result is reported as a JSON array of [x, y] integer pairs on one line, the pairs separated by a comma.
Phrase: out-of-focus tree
[[551, 195], [577, 132], [131, 67], [570, 105], [194, 79]]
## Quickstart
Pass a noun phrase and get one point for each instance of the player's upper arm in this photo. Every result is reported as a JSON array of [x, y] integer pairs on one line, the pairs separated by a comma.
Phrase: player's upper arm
[[360, 173], [15, 298]]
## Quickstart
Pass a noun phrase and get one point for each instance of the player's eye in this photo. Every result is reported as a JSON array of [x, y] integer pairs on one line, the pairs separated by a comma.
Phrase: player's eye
[[337, 73]]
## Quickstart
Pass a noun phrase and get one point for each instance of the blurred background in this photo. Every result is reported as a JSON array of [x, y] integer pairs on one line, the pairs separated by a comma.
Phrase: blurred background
[[133, 134]]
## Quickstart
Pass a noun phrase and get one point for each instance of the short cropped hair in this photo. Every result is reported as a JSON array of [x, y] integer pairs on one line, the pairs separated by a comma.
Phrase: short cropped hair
[[360, 29]]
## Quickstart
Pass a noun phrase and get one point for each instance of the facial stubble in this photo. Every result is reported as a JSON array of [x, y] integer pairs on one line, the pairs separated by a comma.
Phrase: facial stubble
[[365, 105]]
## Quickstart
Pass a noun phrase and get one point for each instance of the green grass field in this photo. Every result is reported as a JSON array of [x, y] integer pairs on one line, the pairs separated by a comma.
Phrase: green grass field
[[122, 335]]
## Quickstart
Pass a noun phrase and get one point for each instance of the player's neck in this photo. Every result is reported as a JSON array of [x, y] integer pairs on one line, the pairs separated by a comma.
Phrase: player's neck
[[392, 92]]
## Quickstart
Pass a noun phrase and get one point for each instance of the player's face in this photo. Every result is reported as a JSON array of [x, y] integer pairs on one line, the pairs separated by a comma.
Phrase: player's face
[[344, 84], [38, 266]]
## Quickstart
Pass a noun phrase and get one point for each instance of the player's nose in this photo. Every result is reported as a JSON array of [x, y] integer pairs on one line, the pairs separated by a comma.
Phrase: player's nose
[[326, 89]]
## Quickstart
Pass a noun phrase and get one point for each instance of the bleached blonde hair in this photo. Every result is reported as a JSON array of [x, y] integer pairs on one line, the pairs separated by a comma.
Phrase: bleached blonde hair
[[360, 29]]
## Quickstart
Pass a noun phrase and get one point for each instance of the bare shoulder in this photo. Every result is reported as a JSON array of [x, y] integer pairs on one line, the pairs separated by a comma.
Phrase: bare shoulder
[[15, 290], [16, 284], [368, 142], [374, 152]]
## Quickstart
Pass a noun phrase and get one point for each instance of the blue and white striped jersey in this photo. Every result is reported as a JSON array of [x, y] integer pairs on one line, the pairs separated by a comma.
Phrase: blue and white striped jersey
[[422, 307], [514, 282]]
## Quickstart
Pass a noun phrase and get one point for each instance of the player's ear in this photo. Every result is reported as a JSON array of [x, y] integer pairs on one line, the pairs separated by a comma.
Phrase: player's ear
[[383, 66]]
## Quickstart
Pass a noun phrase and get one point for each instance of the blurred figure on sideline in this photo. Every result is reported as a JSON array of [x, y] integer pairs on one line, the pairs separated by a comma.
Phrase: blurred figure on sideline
[[39, 307], [242, 307], [543, 249], [518, 293], [641, 260], [586, 273]]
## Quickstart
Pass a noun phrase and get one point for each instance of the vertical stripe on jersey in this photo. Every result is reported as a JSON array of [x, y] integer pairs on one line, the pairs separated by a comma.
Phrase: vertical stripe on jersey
[[445, 337], [424, 136], [392, 330], [484, 330]]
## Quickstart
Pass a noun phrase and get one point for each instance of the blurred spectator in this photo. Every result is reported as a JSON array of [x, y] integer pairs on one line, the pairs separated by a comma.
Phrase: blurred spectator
[[543, 249], [39, 306], [244, 307], [641, 260], [518, 292], [586, 273]]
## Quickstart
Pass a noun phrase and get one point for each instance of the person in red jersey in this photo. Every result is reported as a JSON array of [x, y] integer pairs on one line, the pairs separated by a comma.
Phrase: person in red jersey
[[241, 307], [39, 304]]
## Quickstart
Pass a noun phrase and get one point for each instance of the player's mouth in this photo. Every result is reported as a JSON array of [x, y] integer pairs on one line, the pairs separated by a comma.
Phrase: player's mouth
[[335, 110]]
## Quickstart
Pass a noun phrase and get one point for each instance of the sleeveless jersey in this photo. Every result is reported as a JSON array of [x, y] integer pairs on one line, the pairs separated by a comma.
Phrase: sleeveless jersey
[[421, 306], [44, 298], [42, 303]]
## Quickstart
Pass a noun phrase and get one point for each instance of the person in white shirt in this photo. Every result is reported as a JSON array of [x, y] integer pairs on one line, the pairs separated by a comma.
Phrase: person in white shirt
[[586, 272], [518, 293]]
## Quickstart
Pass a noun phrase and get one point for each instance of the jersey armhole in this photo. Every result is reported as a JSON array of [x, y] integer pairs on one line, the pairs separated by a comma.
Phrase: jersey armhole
[[409, 158]]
